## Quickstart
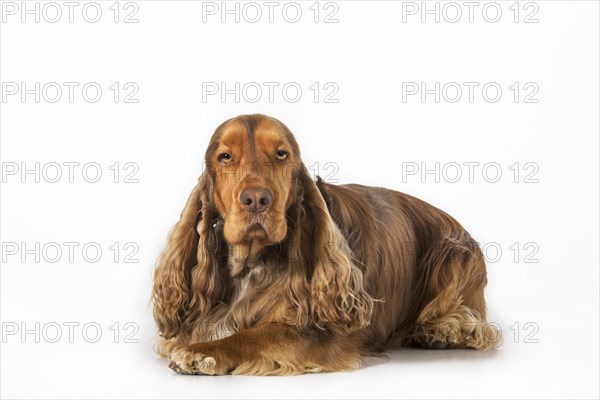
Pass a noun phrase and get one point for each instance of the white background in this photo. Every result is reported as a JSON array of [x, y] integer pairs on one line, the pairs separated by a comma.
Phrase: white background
[[547, 309]]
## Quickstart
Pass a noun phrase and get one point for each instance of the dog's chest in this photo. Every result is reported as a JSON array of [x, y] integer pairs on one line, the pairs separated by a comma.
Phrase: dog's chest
[[251, 277]]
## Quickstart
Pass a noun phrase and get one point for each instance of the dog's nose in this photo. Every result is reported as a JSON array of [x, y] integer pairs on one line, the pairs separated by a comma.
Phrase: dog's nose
[[256, 200]]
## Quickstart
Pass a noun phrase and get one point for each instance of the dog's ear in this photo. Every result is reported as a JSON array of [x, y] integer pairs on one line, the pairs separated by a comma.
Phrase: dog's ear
[[208, 277], [338, 299], [187, 275]]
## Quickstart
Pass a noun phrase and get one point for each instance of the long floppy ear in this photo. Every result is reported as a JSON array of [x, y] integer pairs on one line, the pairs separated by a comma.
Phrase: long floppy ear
[[208, 278], [180, 267], [339, 301]]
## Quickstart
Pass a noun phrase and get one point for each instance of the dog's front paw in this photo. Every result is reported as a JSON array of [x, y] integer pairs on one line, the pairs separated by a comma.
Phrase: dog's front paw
[[188, 362]]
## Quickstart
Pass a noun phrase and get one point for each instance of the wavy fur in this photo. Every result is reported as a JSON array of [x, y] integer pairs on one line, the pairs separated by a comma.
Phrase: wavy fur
[[298, 296]]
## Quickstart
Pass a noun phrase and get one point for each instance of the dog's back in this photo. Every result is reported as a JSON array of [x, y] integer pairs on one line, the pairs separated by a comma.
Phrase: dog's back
[[426, 266]]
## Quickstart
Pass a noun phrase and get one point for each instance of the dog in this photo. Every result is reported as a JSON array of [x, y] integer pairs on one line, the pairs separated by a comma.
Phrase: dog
[[271, 273]]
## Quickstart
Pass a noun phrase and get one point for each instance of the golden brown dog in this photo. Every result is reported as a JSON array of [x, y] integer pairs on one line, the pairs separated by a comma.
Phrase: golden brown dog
[[270, 273]]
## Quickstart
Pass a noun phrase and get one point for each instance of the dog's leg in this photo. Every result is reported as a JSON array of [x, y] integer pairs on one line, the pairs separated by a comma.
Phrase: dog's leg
[[268, 350], [454, 317], [459, 327]]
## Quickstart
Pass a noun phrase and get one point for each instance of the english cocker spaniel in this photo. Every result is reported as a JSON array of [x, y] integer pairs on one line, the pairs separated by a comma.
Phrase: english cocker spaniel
[[270, 273]]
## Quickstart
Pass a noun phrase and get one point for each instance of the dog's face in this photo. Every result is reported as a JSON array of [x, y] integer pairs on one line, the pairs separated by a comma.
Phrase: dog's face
[[254, 161]]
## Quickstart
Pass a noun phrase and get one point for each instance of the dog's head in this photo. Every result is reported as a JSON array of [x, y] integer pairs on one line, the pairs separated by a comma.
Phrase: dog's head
[[253, 162]]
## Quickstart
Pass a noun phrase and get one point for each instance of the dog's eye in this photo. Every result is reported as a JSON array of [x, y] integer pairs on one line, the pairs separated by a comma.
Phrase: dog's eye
[[281, 155], [224, 158]]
